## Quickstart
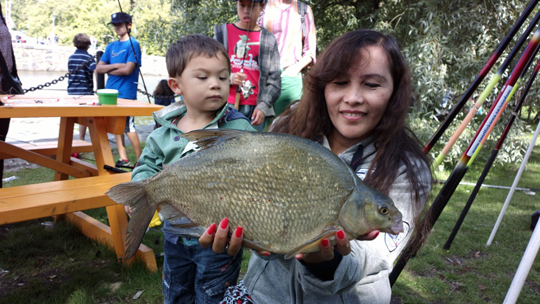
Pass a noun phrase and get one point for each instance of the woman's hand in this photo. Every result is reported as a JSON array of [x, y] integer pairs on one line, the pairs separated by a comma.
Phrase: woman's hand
[[220, 238], [326, 252]]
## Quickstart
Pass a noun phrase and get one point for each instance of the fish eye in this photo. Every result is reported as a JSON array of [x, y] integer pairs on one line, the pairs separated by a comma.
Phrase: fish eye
[[383, 210]]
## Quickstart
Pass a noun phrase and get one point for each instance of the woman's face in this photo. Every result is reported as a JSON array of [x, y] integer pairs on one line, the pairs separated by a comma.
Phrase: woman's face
[[357, 101]]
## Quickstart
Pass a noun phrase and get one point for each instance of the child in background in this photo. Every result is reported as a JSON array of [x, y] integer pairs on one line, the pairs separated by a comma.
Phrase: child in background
[[254, 56], [81, 66], [163, 95], [199, 70]]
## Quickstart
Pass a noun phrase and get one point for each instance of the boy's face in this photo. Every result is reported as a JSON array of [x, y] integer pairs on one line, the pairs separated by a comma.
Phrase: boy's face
[[121, 28], [204, 84], [248, 12]]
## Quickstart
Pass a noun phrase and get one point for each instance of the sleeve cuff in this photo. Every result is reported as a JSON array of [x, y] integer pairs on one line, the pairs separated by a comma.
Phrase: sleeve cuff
[[264, 107], [325, 270]]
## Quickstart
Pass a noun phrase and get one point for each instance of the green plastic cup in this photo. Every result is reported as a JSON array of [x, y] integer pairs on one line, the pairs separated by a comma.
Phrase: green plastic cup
[[107, 96]]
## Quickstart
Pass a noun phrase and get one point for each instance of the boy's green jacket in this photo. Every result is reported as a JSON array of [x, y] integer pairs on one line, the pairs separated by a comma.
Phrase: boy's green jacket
[[165, 145]]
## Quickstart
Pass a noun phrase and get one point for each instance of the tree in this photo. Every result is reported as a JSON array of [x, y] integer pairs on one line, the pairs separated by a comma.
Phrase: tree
[[445, 42]]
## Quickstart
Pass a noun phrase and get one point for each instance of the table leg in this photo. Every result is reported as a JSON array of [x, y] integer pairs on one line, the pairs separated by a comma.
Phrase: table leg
[[103, 154], [100, 141], [118, 223], [65, 141]]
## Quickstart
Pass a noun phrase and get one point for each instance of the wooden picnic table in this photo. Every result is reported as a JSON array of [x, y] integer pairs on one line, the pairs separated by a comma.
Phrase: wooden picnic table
[[100, 119]]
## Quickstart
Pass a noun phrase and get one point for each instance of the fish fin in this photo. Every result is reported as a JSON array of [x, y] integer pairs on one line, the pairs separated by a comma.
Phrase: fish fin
[[254, 245], [173, 215], [132, 194], [209, 138], [191, 232], [313, 244]]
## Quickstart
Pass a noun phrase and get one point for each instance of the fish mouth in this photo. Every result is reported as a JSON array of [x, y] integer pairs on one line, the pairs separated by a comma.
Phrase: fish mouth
[[397, 226]]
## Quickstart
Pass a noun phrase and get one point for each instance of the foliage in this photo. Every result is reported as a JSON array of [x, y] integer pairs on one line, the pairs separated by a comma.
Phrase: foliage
[[446, 43]]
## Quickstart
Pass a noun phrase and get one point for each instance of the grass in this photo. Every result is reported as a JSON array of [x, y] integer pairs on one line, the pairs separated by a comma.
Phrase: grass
[[53, 263]]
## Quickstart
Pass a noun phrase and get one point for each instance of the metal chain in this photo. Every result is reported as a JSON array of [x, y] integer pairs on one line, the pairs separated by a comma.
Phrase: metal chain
[[61, 78]]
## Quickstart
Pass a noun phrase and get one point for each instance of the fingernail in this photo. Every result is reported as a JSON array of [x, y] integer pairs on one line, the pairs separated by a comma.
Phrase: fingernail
[[224, 223], [239, 231], [376, 235], [266, 253], [340, 234], [324, 242], [212, 229]]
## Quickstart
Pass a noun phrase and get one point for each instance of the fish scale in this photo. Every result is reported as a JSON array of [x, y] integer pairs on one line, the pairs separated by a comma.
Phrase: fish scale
[[283, 190]]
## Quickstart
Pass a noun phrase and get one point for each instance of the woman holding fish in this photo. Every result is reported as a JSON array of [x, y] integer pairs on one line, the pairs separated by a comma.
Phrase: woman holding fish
[[355, 103]]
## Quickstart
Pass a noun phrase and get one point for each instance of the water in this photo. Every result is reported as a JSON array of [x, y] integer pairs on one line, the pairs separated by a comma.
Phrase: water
[[35, 78], [46, 128]]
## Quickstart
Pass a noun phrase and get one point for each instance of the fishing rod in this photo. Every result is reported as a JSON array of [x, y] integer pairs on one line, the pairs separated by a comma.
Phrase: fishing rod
[[245, 88], [481, 99], [465, 97], [461, 168], [491, 160], [133, 48]]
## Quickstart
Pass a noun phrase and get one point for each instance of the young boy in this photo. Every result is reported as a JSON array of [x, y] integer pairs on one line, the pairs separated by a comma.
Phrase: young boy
[[121, 60], [81, 66], [199, 70], [254, 56]]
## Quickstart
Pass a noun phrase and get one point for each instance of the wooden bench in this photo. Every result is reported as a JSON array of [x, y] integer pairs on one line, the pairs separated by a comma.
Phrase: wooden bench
[[48, 148], [69, 197]]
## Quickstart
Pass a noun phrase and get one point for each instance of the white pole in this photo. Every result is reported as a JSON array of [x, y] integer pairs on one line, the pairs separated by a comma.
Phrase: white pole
[[514, 185], [524, 267]]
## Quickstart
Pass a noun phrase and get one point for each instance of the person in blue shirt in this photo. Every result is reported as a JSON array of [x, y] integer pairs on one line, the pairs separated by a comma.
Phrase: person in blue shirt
[[121, 61]]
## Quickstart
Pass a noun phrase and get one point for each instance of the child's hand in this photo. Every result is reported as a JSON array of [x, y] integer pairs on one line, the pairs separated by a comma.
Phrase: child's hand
[[257, 117], [219, 239], [129, 210], [238, 78], [292, 71]]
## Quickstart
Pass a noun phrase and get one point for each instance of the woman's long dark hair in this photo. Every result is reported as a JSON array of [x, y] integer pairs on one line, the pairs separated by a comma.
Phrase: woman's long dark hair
[[396, 144]]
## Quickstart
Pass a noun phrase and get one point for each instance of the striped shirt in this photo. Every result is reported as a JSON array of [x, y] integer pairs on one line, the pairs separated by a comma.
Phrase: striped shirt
[[286, 25], [81, 82]]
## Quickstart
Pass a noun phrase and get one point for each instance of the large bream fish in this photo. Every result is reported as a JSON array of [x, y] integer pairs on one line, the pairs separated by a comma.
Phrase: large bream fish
[[287, 193]]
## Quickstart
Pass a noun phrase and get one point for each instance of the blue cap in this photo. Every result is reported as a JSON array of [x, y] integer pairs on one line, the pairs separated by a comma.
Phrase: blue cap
[[120, 17]]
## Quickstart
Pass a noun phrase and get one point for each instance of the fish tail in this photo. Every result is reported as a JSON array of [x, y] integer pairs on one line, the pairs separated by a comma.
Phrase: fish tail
[[132, 194]]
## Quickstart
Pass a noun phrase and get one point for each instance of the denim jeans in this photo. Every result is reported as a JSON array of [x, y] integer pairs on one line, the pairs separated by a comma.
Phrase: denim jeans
[[192, 274]]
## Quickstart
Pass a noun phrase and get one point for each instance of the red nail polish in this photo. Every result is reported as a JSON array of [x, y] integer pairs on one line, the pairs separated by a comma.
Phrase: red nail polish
[[266, 253], [224, 223], [212, 229], [325, 242], [340, 234], [376, 235], [239, 231]]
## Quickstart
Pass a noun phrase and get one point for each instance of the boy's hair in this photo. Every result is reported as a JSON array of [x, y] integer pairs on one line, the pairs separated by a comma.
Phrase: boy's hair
[[181, 52], [81, 41]]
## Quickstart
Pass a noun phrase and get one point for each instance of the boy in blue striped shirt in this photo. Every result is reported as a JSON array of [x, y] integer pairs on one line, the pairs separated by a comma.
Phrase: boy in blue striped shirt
[[81, 66]]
